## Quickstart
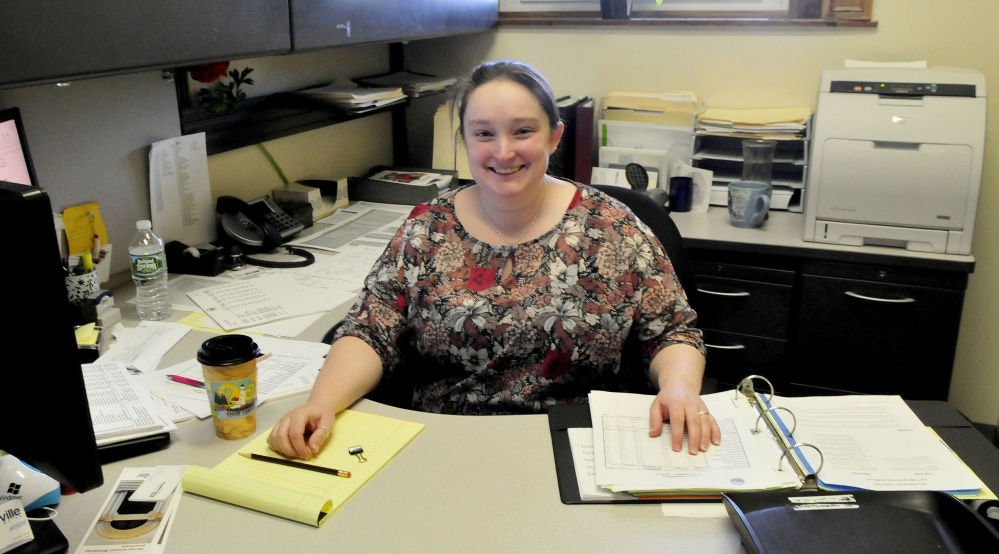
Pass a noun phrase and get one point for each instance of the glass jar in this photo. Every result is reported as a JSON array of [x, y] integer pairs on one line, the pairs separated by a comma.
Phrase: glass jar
[[757, 162]]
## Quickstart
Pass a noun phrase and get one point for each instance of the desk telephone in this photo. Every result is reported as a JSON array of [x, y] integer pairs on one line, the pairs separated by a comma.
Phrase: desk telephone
[[262, 226], [258, 223]]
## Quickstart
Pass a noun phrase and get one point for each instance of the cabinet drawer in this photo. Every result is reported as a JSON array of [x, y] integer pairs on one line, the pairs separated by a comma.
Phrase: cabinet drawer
[[733, 357], [747, 307], [876, 337]]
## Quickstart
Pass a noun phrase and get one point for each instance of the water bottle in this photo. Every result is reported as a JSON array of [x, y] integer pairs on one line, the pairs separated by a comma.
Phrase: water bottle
[[149, 272]]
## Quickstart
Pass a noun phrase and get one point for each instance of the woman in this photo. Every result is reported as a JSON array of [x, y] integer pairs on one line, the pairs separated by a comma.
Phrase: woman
[[524, 286]]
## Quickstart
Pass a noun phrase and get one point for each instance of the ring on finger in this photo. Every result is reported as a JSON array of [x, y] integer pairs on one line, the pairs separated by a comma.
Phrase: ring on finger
[[703, 412]]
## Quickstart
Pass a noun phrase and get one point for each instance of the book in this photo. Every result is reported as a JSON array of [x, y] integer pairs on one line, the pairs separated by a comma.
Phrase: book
[[584, 141], [306, 496], [830, 443]]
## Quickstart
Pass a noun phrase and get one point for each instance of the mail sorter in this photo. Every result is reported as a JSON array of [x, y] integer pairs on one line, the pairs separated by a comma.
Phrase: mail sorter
[[896, 158]]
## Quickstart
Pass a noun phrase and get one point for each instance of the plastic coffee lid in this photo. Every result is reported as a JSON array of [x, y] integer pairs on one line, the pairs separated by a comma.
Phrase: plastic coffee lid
[[227, 350]]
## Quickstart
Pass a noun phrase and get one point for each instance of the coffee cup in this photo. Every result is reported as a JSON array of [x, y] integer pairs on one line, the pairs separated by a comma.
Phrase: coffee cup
[[229, 366], [681, 194], [748, 203]]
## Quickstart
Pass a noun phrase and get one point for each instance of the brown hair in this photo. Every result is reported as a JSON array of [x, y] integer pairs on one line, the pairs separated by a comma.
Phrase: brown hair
[[518, 72]]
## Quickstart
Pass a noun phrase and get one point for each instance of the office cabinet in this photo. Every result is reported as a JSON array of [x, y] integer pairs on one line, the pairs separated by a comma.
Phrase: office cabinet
[[877, 330], [744, 311], [319, 24], [46, 41], [818, 322]]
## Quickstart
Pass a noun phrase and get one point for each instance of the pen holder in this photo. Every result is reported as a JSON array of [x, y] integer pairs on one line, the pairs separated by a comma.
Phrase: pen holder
[[79, 287]]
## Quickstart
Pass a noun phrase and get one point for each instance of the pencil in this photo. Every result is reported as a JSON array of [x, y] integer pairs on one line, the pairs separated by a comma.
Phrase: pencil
[[299, 465]]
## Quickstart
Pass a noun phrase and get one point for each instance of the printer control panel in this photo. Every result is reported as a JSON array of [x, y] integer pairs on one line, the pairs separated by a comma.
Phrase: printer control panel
[[885, 88]]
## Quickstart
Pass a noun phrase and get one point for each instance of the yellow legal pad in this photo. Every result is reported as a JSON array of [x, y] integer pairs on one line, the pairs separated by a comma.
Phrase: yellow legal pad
[[297, 494]]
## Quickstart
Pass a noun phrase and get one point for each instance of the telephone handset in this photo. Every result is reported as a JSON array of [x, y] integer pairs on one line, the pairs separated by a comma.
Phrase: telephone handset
[[258, 223]]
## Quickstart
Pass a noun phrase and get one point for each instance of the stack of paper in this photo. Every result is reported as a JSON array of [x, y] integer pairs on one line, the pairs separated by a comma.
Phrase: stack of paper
[[353, 98], [670, 107], [120, 408], [413, 84], [772, 123]]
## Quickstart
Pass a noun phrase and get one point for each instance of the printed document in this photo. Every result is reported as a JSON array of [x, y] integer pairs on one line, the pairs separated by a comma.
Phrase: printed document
[[627, 459], [875, 443]]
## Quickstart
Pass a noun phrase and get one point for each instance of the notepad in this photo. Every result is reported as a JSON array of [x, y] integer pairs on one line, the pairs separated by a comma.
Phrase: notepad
[[305, 496]]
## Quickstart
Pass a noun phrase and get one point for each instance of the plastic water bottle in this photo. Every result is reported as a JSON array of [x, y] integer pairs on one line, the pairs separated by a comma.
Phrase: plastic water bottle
[[149, 272]]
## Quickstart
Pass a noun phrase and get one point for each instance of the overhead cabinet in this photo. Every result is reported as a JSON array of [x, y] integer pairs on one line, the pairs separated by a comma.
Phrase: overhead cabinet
[[50, 40], [319, 24]]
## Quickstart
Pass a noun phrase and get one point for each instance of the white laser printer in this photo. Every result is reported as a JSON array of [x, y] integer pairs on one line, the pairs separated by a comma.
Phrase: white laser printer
[[896, 158]]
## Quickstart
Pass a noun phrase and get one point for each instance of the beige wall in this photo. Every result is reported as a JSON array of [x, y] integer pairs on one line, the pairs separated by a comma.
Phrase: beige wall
[[765, 67]]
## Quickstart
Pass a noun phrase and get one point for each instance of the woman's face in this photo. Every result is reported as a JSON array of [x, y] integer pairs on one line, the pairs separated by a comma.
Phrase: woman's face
[[508, 138]]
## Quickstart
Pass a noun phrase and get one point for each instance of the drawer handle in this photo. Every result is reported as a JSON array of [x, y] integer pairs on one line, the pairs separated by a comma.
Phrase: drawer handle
[[884, 300], [717, 293], [720, 347]]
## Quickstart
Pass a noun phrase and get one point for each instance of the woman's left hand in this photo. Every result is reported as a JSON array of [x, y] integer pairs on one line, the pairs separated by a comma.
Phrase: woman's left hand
[[685, 411]]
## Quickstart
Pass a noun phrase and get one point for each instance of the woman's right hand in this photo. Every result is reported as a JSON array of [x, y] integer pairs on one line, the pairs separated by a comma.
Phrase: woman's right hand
[[302, 432]]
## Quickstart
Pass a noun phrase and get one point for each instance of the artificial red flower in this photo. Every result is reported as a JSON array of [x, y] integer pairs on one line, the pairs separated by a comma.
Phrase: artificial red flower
[[209, 72]]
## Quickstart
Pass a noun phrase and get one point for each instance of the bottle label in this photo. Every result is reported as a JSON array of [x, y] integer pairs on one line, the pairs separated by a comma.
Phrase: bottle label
[[233, 399], [149, 265]]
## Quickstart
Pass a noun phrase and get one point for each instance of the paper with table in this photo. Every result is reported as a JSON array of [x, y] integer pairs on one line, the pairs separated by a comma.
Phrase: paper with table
[[120, 408], [300, 495], [866, 442]]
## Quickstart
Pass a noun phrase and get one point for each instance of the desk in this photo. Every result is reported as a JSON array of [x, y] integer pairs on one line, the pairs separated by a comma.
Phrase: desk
[[465, 484]]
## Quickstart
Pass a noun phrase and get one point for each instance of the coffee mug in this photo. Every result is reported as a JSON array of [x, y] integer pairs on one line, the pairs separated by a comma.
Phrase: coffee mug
[[681, 194], [748, 203]]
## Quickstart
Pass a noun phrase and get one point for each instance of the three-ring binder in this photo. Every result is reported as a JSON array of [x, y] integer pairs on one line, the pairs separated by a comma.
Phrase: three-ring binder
[[789, 450]]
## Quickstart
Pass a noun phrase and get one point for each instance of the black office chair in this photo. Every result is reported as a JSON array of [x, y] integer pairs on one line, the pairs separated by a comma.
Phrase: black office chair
[[397, 389]]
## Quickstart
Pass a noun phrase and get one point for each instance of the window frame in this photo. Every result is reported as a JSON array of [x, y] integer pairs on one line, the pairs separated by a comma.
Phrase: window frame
[[800, 13]]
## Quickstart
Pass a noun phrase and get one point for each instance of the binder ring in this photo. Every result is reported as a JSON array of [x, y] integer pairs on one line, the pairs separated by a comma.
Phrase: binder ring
[[794, 420], [786, 453], [746, 386]]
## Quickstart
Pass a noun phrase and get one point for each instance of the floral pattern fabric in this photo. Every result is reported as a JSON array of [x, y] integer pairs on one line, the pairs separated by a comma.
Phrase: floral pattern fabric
[[550, 331]]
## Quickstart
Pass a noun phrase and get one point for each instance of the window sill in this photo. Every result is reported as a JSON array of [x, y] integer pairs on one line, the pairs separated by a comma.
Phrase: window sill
[[640, 19]]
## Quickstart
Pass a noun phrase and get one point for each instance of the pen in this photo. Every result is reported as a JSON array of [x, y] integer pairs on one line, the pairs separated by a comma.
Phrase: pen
[[186, 381], [300, 465]]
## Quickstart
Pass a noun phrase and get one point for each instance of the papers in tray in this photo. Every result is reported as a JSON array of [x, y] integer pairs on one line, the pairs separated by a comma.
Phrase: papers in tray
[[769, 123]]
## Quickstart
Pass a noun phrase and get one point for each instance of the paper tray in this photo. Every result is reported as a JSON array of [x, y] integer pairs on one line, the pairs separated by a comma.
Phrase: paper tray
[[875, 521]]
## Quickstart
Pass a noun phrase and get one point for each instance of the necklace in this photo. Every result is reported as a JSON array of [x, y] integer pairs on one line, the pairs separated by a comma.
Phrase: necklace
[[516, 241]]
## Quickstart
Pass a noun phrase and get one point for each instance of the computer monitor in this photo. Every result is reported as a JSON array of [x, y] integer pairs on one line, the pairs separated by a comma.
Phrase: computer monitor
[[44, 414]]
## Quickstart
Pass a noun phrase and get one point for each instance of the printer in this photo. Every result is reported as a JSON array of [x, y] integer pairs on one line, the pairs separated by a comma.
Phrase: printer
[[896, 158]]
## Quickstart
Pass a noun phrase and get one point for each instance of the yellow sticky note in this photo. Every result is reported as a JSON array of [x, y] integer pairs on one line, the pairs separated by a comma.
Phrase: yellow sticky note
[[82, 223], [86, 334]]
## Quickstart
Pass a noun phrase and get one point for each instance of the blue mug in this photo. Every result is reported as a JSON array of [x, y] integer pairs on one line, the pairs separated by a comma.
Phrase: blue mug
[[748, 203]]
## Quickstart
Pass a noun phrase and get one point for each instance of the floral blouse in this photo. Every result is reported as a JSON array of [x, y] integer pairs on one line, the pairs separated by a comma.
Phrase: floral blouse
[[549, 332]]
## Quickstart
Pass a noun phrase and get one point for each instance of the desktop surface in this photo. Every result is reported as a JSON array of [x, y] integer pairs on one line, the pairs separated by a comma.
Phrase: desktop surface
[[465, 484]]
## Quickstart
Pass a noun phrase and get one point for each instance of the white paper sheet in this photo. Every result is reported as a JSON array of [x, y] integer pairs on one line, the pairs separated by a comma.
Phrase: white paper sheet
[[142, 347], [628, 459], [180, 196]]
